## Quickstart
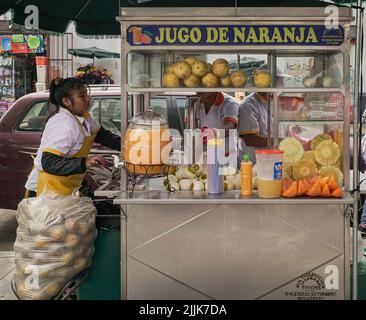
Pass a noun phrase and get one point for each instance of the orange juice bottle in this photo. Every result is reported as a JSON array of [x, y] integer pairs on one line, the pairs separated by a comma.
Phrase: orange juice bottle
[[246, 176]]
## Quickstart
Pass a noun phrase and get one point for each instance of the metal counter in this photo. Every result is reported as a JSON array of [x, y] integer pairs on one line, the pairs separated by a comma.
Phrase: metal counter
[[188, 245]]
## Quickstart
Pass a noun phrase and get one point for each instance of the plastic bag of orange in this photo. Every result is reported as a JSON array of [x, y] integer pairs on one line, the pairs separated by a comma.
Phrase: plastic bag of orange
[[315, 190], [325, 191], [291, 191], [303, 187], [337, 193]]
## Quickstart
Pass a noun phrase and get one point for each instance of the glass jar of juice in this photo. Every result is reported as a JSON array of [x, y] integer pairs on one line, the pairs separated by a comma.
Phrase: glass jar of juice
[[145, 141]]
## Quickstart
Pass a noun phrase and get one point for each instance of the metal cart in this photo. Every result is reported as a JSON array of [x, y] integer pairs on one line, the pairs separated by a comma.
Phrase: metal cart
[[196, 246]]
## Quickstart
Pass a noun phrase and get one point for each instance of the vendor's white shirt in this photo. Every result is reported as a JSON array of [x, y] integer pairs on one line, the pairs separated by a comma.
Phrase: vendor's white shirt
[[65, 136], [225, 107], [253, 115]]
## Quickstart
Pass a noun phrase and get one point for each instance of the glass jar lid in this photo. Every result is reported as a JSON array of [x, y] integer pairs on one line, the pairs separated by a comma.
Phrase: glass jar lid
[[147, 118]]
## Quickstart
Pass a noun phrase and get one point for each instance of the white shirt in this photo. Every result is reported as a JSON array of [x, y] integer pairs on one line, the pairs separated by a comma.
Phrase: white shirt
[[63, 136], [253, 115], [225, 107]]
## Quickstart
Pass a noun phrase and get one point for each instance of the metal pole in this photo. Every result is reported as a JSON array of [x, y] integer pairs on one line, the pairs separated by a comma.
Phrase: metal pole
[[355, 149]]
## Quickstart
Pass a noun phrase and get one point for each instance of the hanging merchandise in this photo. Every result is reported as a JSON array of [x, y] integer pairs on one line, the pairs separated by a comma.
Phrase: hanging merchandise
[[33, 42], [20, 48], [17, 38], [6, 43]]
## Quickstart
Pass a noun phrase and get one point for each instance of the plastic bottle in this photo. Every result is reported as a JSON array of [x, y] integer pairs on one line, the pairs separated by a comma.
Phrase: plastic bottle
[[246, 176]]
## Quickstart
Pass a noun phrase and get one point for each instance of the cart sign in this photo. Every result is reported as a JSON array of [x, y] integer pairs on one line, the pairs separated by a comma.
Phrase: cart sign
[[234, 35]]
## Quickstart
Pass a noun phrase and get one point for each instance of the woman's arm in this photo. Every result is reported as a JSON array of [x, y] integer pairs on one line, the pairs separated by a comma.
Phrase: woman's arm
[[108, 139]]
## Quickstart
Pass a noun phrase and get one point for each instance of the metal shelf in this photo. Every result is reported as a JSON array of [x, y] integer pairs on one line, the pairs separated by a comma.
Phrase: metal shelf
[[247, 89], [310, 121], [231, 197]]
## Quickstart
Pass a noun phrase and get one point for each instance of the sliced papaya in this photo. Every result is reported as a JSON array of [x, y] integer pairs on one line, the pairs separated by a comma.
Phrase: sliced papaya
[[286, 184], [303, 187], [337, 193], [325, 191], [291, 192], [315, 190], [323, 181], [333, 185]]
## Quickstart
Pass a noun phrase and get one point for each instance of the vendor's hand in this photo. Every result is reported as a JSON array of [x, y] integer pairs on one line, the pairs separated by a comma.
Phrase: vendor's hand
[[95, 161], [208, 134]]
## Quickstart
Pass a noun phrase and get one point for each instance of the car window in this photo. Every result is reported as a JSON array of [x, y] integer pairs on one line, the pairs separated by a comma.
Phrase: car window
[[160, 105], [108, 109], [36, 117]]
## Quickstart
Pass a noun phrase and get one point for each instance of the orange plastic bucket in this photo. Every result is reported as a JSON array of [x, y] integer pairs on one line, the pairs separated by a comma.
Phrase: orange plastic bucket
[[41, 61]]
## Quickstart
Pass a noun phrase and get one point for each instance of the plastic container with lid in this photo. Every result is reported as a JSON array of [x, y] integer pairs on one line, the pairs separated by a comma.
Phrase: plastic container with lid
[[145, 139], [269, 172]]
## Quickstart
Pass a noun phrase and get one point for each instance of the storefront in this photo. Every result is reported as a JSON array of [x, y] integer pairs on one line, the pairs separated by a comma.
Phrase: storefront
[[18, 74]]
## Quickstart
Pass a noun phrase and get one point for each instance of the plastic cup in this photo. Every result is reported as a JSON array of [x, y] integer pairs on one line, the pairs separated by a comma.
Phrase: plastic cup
[[269, 173]]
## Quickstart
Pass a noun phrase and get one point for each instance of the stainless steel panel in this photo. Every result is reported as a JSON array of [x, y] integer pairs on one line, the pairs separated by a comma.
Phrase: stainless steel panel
[[146, 222], [303, 289], [147, 283], [234, 251], [316, 222]]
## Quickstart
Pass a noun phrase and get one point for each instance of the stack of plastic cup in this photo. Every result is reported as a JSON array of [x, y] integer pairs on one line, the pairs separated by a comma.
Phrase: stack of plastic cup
[[215, 156]]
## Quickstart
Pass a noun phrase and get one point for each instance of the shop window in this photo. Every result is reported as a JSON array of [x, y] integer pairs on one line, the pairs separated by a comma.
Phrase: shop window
[[36, 117]]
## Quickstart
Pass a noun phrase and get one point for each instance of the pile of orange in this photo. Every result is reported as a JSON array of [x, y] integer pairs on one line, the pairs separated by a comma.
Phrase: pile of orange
[[312, 187]]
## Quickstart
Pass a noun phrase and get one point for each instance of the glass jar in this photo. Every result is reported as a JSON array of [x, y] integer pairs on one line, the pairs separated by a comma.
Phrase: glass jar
[[146, 138]]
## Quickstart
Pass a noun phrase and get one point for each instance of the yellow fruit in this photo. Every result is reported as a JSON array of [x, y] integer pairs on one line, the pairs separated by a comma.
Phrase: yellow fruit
[[182, 70], [40, 242], [292, 150], [327, 153], [52, 289], [238, 79], [192, 81], [190, 60], [318, 139], [210, 81], [309, 155], [80, 264], [328, 82], [71, 224], [332, 171], [199, 68], [225, 82], [170, 68], [72, 240], [57, 233], [220, 68], [170, 80], [67, 257], [84, 229], [286, 171], [304, 169], [262, 79]]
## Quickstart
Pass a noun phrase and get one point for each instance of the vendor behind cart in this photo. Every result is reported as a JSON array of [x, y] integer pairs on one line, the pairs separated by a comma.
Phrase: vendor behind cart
[[218, 111], [253, 120], [63, 156]]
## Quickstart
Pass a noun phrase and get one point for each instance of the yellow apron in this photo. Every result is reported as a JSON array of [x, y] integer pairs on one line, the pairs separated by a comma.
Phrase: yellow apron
[[66, 185]]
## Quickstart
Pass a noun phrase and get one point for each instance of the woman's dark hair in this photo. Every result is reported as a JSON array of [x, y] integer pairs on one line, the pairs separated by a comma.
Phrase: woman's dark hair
[[62, 88]]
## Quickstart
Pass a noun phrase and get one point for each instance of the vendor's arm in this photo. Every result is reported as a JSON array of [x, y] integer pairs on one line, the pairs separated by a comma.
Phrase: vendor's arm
[[248, 126], [229, 114], [108, 139], [59, 165]]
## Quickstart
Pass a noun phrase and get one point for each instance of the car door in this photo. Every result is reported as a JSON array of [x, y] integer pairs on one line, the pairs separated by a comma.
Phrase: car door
[[23, 141]]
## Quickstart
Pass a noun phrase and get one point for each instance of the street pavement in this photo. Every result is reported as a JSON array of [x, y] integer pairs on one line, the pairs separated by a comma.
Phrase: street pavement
[[8, 225]]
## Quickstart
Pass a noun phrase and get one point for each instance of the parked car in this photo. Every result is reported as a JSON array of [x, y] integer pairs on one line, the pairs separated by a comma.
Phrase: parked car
[[22, 125]]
